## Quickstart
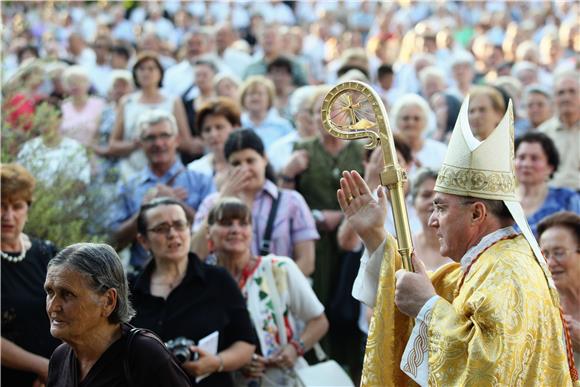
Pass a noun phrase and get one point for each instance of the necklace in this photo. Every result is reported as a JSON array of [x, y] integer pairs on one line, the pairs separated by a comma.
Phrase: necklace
[[18, 258]]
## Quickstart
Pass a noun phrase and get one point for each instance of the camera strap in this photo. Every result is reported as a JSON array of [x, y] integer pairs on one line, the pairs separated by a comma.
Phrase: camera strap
[[266, 244]]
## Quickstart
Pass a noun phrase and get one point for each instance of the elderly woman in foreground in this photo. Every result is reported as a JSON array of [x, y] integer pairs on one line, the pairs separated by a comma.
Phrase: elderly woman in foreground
[[88, 307]]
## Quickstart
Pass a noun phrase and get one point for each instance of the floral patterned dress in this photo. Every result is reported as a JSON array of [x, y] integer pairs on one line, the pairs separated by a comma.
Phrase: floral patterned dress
[[279, 300]]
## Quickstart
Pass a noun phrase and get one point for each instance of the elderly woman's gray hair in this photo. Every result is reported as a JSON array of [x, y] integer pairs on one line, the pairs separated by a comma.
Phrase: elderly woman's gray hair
[[421, 176], [101, 266], [154, 117], [410, 100]]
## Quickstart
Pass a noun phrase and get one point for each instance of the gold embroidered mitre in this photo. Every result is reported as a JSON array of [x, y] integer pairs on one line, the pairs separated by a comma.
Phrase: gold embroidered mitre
[[480, 169]]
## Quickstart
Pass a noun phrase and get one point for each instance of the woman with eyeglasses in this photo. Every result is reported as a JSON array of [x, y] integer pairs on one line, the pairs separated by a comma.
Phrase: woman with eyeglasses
[[178, 296], [409, 115], [560, 243]]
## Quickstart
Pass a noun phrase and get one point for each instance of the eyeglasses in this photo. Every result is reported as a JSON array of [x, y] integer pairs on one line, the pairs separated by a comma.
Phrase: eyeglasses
[[559, 255], [165, 228], [151, 138]]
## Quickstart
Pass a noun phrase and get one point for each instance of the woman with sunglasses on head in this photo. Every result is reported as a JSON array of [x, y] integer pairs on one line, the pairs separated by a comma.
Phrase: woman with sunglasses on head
[[178, 296]]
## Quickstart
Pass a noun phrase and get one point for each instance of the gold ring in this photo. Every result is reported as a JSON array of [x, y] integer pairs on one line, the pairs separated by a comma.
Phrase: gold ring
[[349, 199]]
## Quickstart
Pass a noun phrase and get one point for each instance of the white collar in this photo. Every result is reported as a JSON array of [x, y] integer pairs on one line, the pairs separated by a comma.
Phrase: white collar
[[484, 243]]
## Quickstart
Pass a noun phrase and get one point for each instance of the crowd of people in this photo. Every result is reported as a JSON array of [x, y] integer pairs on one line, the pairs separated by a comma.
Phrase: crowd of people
[[199, 124]]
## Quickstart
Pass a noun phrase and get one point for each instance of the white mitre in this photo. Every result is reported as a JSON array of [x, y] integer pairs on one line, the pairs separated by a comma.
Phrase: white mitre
[[485, 170]]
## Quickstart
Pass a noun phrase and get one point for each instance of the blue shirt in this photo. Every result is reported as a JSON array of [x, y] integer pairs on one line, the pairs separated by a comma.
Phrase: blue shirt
[[558, 199], [271, 129], [130, 197]]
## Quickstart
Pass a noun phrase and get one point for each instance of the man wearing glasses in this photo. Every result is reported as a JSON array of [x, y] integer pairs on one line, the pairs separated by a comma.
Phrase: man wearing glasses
[[165, 176]]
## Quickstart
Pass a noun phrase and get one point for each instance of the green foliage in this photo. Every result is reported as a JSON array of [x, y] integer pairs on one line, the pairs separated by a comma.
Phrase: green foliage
[[65, 211]]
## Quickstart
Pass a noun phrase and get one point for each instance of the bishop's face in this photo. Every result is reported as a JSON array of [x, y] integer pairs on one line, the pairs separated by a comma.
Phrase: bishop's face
[[452, 219]]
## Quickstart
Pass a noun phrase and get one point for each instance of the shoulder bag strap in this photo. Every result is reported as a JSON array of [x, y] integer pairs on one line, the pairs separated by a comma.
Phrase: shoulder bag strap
[[126, 368], [267, 238], [130, 338]]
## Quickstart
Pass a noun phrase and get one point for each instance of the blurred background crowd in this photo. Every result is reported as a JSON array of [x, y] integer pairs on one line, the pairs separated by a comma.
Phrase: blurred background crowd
[[111, 106]]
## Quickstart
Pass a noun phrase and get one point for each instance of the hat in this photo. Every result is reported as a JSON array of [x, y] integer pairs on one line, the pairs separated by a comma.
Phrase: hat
[[468, 169], [485, 170]]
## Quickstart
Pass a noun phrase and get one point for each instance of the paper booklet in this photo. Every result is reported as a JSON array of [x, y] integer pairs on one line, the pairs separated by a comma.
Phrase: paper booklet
[[210, 345]]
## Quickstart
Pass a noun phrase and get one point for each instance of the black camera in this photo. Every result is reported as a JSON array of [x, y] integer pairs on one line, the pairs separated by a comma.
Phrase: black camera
[[179, 347]]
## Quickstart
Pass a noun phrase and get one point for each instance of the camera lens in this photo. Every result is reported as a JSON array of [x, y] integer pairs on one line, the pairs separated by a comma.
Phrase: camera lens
[[182, 354]]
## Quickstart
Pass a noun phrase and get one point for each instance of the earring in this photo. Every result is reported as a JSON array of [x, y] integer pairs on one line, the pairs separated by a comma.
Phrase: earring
[[210, 246]]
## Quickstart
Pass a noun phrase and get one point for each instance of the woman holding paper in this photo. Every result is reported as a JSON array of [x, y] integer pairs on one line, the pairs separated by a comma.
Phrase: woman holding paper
[[279, 297], [179, 297]]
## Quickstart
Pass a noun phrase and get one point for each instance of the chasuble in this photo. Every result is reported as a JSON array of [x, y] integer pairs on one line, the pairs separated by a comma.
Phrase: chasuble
[[495, 321]]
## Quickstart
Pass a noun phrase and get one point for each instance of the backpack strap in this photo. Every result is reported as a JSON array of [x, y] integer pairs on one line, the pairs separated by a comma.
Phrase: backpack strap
[[267, 238]]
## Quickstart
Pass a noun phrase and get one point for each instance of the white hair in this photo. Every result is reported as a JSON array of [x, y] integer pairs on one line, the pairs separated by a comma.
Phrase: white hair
[[462, 57], [523, 66], [410, 100], [537, 88], [432, 72], [566, 73], [153, 117], [524, 47], [75, 71], [300, 97], [121, 74]]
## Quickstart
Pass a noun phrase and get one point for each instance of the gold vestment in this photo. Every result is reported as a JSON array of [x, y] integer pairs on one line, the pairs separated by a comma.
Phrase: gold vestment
[[501, 328]]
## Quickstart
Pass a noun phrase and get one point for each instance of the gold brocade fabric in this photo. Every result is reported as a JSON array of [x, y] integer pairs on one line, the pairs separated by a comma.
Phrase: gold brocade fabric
[[389, 329], [503, 328]]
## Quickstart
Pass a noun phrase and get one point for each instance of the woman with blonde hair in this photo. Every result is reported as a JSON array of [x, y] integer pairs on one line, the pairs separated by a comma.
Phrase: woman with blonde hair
[[257, 95]]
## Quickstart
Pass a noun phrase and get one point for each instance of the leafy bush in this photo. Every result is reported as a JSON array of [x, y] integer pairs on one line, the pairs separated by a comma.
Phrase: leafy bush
[[64, 211]]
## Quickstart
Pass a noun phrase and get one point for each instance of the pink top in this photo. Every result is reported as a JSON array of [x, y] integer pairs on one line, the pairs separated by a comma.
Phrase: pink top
[[82, 125]]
